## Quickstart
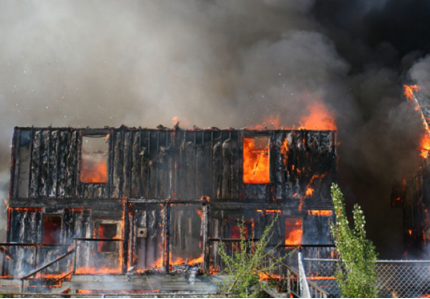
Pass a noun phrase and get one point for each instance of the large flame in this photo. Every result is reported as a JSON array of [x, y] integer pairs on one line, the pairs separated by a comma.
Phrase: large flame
[[425, 145], [256, 160], [425, 138], [319, 118], [409, 91]]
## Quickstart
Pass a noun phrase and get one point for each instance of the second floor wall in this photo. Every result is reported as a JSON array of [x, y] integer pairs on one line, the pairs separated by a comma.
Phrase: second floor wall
[[291, 167]]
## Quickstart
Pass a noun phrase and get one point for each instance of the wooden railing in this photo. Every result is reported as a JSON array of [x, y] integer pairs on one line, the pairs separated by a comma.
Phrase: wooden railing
[[35, 272]]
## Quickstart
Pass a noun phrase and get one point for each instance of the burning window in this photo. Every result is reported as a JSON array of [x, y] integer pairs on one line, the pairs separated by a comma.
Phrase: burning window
[[293, 231], [256, 160], [52, 230], [94, 159], [107, 231]]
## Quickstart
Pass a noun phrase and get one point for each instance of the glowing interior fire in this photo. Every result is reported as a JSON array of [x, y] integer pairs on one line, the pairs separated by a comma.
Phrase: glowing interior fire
[[256, 160], [94, 159], [293, 231], [94, 171]]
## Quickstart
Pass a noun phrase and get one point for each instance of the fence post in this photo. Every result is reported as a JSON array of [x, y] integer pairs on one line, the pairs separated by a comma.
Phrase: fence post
[[304, 287]]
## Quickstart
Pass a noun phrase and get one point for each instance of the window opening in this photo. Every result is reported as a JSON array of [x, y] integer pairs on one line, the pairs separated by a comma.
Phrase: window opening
[[293, 231], [256, 160], [107, 231], [52, 230], [94, 159]]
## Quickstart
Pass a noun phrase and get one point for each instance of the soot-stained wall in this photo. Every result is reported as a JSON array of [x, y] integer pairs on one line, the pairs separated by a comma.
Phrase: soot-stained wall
[[169, 190]]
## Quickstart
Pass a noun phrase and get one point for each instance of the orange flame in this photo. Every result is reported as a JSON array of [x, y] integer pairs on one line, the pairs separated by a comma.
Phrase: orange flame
[[284, 151], [98, 271], [409, 91], [200, 213], [269, 211], [293, 231], [425, 145], [265, 276], [425, 138], [182, 261], [322, 278], [309, 191], [256, 160], [94, 172], [319, 118], [183, 121], [320, 212]]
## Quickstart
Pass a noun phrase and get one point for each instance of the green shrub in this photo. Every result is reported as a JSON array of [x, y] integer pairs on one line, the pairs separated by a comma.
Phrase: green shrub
[[243, 266], [356, 274]]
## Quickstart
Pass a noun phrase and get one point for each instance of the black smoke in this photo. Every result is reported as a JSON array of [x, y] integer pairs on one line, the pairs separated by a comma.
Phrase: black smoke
[[227, 64]]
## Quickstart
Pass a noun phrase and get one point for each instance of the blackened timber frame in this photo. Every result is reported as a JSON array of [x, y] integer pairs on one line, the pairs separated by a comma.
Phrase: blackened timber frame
[[136, 204]]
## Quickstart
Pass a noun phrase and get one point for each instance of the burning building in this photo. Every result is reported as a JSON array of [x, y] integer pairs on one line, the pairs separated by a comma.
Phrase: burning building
[[132, 200], [413, 193]]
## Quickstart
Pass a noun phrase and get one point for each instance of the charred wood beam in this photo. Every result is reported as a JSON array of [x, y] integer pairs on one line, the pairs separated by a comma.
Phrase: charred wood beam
[[47, 265], [75, 203], [259, 206], [166, 237], [232, 240], [7, 253], [14, 166], [206, 247], [98, 239], [126, 232], [34, 244]]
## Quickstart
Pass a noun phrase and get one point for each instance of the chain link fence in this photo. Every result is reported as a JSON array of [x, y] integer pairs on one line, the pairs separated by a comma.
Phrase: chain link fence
[[396, 278]]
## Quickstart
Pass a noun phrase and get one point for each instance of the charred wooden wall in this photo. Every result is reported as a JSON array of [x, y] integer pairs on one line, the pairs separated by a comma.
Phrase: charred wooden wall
[[176, 187], [173, 164]]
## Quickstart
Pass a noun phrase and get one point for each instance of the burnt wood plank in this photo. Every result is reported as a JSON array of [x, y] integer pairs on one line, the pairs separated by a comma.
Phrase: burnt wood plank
[[226, 169], [135, 166], [35, 164], [117, 165]]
